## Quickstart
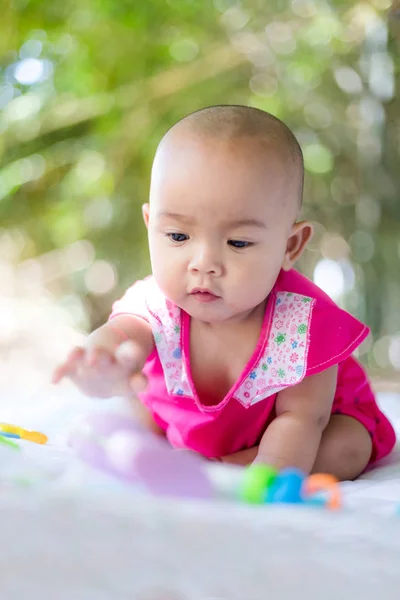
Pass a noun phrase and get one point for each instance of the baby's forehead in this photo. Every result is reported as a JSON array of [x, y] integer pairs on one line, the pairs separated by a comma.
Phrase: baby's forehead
[[237, 142], [247, 161], [218, 188], [250, 152]]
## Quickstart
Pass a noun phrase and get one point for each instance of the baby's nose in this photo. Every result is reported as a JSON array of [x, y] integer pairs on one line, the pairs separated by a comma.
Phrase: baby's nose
[[206, 262]]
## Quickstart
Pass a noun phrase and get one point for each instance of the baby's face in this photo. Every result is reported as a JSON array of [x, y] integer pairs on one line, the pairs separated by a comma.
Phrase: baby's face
[[219, 221]]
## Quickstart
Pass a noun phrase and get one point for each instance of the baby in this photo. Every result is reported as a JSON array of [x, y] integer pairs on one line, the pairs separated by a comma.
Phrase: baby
[[232, 353]]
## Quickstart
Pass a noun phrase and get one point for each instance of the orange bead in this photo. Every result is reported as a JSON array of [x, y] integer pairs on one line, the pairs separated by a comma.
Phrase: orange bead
[[321, 482]]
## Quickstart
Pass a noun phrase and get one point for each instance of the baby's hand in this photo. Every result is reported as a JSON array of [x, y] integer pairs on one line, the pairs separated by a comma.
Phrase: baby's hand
[[101, 373]]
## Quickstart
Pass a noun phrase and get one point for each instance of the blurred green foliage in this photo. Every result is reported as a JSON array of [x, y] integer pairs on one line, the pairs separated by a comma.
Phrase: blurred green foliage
[[88, 88]]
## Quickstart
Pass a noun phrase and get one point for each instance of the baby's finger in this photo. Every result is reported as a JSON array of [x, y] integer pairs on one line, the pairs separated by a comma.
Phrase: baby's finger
[[138, 382], [127, 355], [69, 365], [99, 357], [58, 374]]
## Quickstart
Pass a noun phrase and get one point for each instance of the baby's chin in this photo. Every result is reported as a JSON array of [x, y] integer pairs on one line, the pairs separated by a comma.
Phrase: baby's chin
[[212, 312]]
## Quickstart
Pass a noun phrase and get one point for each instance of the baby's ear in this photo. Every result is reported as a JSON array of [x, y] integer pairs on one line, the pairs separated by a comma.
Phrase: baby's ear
[[146, 213], [301, 234]]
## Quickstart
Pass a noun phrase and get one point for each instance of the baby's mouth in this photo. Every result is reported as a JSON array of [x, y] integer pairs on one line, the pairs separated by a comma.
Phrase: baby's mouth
[[203, 295]]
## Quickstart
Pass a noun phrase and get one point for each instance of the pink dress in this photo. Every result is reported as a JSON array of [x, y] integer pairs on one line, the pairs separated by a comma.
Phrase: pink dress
[[303, 332]]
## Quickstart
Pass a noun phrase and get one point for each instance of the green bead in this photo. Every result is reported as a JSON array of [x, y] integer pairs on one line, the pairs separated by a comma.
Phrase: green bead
[[257, 478]]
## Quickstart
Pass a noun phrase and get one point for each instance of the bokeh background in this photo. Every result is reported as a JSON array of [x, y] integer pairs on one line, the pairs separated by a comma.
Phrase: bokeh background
[[88, 88]]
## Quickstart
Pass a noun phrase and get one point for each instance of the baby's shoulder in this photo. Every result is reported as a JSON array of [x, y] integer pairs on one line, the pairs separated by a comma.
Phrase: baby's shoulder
[[144, 298], [330, 334]]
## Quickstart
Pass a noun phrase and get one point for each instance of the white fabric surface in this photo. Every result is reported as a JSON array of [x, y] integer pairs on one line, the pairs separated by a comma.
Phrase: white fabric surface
[[75, 533]]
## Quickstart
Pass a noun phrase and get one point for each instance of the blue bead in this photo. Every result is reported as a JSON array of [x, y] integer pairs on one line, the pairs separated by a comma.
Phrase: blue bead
[[316, 500], [286, 488]]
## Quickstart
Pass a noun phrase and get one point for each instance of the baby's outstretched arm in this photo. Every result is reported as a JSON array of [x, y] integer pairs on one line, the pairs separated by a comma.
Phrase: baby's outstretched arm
[[294, 436], [111, 361]]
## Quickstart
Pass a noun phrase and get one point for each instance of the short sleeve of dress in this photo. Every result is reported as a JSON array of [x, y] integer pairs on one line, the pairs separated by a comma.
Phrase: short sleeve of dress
[[134, 301], [334, 335]]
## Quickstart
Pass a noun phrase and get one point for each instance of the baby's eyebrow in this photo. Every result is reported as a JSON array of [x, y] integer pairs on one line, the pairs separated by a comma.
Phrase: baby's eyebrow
[[250, 222], [177, 216], [246, 222]]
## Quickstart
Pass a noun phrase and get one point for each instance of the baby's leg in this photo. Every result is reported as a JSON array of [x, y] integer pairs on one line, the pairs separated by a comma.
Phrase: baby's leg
[[345, 448]]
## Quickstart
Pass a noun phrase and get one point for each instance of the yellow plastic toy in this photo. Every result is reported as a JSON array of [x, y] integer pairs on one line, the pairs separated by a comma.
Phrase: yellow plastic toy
[[13, 431]]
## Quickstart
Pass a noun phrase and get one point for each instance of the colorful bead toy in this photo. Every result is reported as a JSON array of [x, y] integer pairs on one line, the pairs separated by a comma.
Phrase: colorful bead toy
[[262, 484], [321, 482], [13, 431], [256, 482], [286, 488]]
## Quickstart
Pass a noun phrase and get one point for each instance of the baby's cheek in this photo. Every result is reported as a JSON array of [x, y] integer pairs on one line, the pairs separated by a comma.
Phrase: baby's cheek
[[256, 288], [168, 277]]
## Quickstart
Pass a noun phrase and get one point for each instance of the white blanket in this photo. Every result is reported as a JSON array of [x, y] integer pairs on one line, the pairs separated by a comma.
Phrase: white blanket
[[70, 532]]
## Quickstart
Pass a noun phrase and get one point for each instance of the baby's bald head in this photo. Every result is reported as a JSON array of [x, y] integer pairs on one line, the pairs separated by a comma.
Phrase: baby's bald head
[[225, 195], [259, 129]]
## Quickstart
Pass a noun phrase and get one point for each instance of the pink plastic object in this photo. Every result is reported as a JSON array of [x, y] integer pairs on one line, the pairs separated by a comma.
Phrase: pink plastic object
[[117, 445]]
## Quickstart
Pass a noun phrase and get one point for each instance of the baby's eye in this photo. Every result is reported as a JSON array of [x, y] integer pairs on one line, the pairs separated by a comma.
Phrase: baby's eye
[[178, 237], [239, 244]]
